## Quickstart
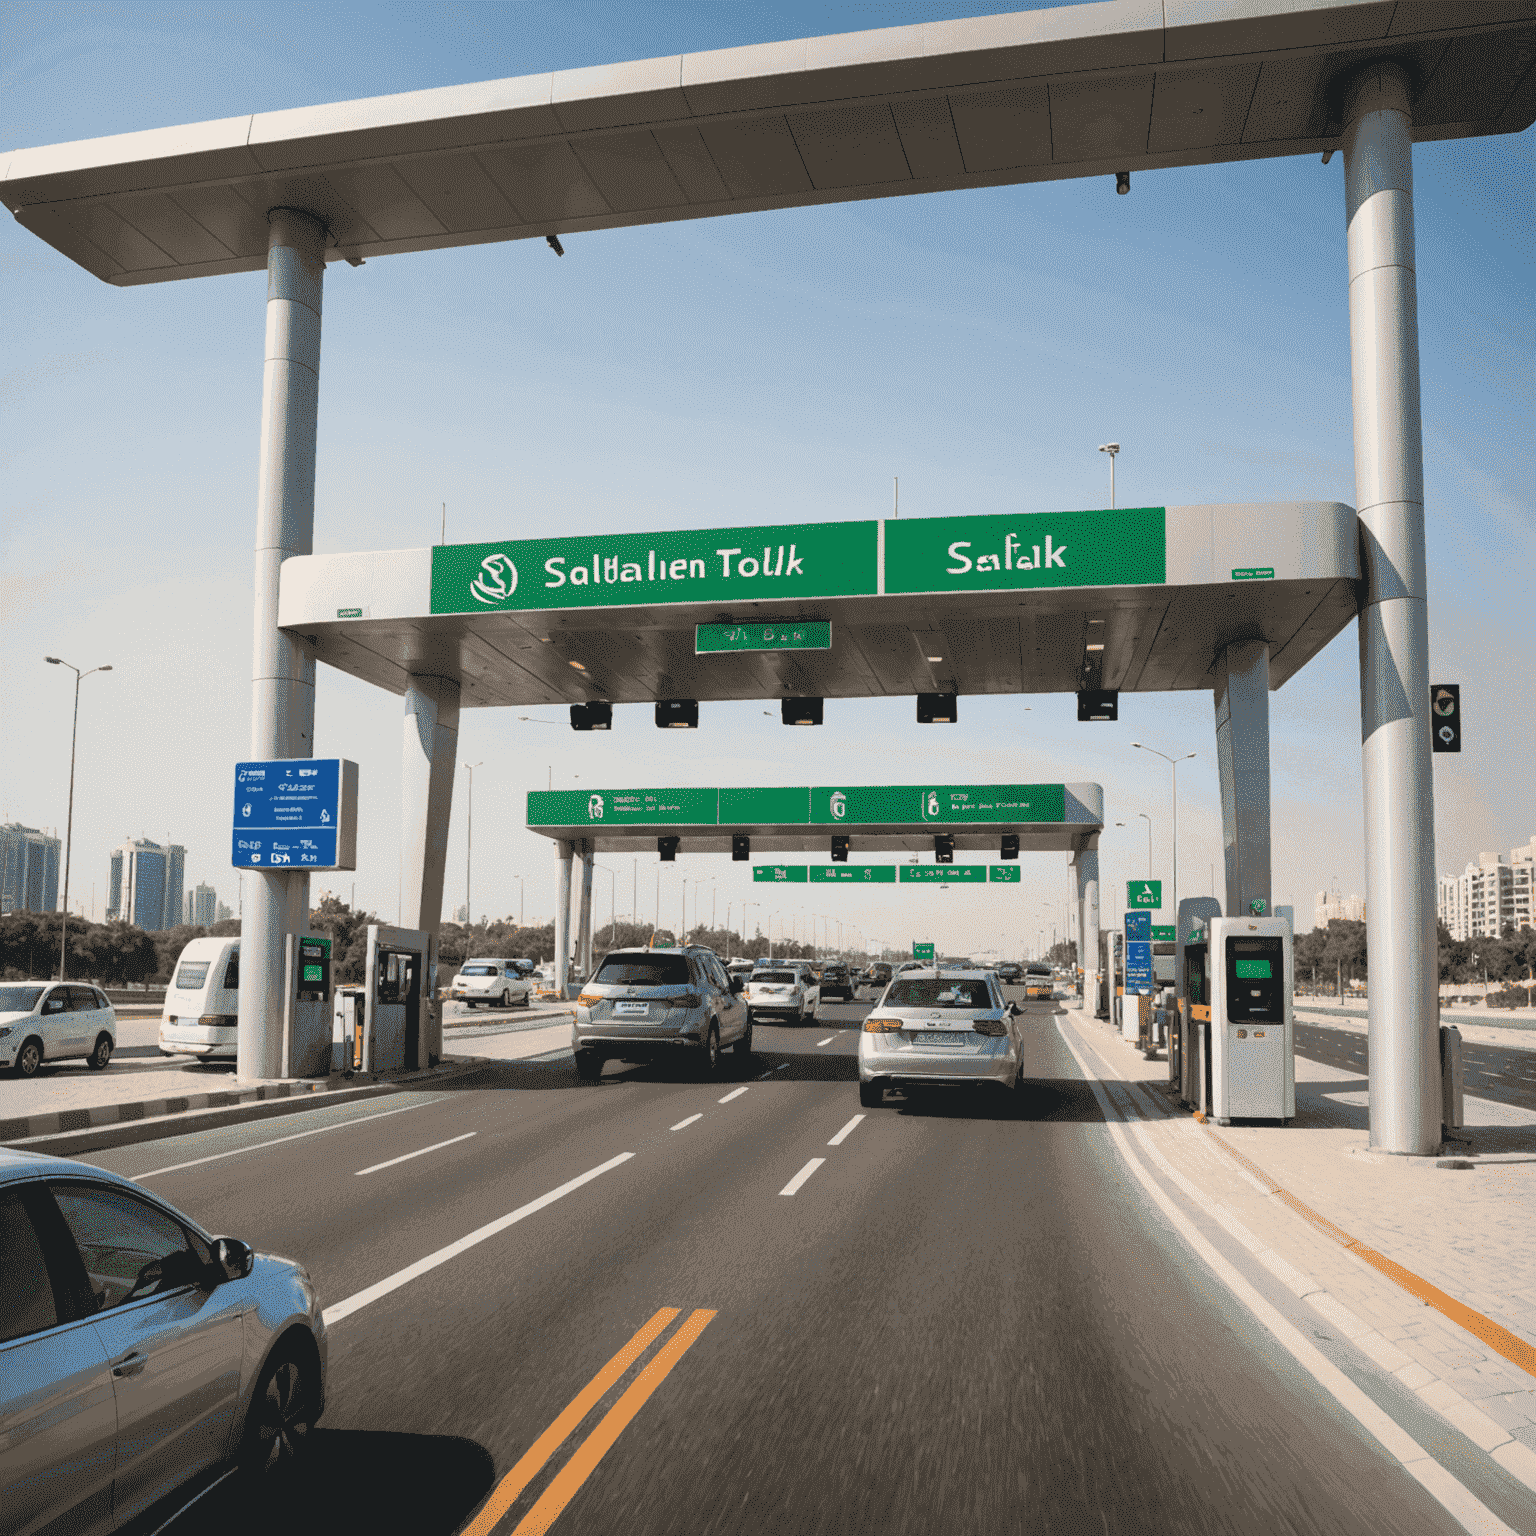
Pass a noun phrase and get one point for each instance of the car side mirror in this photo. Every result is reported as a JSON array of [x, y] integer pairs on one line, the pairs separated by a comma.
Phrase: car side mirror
[[1014, 1009], [738, 984], [232, 1259]]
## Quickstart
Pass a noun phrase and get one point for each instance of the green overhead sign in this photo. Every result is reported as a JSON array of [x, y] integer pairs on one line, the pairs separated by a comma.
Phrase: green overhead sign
[[778, 874], [1144, 893], [884, 874], [812, 635], [853, 874], [1164, 934], [825, 805], [921, 951], [998, 552]]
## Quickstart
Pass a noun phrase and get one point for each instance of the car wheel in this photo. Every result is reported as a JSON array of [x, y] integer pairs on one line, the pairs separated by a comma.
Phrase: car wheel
[[871, 1095], [589, 1066], [744, 1045], [506, 998], [101, 1052], [28, 1059], [281, 1417], [711, 1061]]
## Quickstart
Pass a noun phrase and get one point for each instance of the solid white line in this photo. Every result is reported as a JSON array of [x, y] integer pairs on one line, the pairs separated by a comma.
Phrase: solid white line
[[827, 1041], [222, 1477], [411, 1272], [406, 1157], [277, 1141], [1468, 1511], [800, 1178], [837, 1140], [689, 1121], [735, 1093]]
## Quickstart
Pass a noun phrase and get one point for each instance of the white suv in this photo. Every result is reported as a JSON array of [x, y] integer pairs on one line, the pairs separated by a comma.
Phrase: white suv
[[492, 982], [788, 990], [49, 1020]]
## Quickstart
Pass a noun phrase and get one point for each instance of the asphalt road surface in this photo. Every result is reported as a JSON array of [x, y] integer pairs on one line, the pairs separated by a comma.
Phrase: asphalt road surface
[[965, 1318], [1490, 1071]]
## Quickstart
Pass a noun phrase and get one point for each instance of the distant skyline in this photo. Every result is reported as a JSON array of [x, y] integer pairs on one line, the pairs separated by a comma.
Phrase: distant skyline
[[759, 368]]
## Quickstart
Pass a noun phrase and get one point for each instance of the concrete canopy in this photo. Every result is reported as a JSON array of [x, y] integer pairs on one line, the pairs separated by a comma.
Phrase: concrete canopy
[[1084, 90], [1284, 573]]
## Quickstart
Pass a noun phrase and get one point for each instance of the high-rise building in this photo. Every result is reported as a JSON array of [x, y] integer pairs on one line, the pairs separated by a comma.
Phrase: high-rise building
[[145, 887], [1491, 895], [29, 869], [224, 913], [201, 906], [1330, 905]]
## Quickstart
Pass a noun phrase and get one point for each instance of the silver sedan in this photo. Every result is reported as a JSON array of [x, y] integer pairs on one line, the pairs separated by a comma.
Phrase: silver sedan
[[138, 1352], [939, 1028]]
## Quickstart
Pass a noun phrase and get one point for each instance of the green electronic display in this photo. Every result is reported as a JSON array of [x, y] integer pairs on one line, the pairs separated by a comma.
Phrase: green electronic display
[[1253, 970], [791, 635]]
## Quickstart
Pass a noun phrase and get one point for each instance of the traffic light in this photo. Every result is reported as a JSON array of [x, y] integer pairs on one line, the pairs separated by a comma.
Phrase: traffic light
[[937, 708], [800, 711], [1098, 704], [943, 848], [592, 717], [741, 847], [1445, 716], [677, 714], [666, 847], [839, 850], [1010, 849]]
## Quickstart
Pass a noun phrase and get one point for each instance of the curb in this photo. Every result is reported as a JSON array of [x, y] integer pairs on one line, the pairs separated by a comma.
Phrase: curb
[[1513, 1455], [117, 1125]]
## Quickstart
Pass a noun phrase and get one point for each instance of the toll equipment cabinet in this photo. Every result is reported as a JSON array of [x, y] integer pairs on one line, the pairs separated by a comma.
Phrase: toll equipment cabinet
[[1247, 971]]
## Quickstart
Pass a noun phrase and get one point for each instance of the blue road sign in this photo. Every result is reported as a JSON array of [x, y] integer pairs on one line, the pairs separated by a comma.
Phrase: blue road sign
[[1138, 965], [287, 814], [1138, 927]]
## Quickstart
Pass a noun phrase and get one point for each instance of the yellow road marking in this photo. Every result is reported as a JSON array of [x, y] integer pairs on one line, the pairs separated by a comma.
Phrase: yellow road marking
[[575, 1411], [591, 1451]]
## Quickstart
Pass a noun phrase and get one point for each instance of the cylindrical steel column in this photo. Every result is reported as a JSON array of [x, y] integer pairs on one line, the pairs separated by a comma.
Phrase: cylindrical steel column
[[564, 851], [1394, 626], [1088, 888], [584, 924], [276, 903]]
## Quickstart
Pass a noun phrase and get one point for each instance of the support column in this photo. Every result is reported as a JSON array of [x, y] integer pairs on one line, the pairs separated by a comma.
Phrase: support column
[[275, 903], [1404, 1092], [584, 924], [1242, 760], [428, 757], [565, 851], [1087, 862]]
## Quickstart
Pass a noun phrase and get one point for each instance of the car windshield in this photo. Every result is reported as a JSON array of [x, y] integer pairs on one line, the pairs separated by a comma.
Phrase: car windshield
[[939, 992], [19, 999], [643, 971], [774, 977], [478, 970], [1039, 970]]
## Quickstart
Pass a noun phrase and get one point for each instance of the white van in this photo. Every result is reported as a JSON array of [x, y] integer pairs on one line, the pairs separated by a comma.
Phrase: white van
[[492, 982], [202, 1002]]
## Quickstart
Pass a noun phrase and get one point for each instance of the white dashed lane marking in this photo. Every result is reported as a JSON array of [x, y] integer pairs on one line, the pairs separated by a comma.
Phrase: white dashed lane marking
[[735, 1093], [837, 1140], [421, 1152], [794, 1184], [689, 1121]]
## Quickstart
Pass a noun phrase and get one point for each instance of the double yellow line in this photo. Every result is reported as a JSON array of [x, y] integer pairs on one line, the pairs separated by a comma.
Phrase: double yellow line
[[563, 1487]]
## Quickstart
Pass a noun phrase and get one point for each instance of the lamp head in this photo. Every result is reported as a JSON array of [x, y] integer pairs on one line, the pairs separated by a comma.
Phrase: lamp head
[[1109, 448], [1135, 743], [52, 661]]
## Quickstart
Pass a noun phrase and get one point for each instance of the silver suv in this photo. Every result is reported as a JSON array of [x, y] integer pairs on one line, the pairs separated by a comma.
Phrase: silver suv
[[659, 1004]]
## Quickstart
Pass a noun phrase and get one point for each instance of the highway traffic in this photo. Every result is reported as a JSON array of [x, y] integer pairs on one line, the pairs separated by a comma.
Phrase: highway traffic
[[663, 1304]]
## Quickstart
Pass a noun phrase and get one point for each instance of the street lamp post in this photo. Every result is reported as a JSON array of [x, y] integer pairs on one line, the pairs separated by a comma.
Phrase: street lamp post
[[1173, 763], [69, 826], [1111, 449], [469, 837]]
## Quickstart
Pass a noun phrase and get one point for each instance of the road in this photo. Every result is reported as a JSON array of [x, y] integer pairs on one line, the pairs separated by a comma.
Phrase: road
[[966, 1318], [1491, 1072]]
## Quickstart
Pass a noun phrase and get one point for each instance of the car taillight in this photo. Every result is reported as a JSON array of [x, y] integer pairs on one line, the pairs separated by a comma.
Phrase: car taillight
[[989, 1026], [587, 999], [874, 1026], [218, 1019]]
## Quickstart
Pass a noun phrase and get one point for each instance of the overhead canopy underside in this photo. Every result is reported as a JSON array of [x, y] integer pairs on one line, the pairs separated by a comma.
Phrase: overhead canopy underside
[[1153, 638], [1083, 90]]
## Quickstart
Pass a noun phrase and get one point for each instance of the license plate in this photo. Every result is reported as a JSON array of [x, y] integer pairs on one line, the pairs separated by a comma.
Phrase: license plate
[[632, 1008], [939, 1037]]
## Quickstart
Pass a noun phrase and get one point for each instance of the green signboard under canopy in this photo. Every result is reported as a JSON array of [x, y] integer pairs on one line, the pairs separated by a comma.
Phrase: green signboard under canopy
[[778, 874], [994, 552], [826, 805], [853, 874], [791, 635]]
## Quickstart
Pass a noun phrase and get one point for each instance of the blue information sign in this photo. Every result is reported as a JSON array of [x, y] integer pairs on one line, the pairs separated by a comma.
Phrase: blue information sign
[[1138, 926], [287, 814], [1138, 965]]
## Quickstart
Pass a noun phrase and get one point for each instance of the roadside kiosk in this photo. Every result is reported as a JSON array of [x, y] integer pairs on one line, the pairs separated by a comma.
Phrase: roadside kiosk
[[1242, 1063]]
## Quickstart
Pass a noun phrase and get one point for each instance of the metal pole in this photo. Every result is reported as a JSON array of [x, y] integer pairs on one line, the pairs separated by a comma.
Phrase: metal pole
[[69, 827], [276, 902], [1404, 1074]]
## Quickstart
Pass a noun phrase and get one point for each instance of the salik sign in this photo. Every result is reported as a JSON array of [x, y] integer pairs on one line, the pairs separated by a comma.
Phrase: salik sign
[[1043, 549]]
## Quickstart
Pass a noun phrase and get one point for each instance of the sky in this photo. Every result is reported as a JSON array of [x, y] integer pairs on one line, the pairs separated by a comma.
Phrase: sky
[[759, 368]]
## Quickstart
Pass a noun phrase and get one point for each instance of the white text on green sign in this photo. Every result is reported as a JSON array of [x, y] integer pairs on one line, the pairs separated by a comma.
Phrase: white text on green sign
[[812, 635], [1144, 893]]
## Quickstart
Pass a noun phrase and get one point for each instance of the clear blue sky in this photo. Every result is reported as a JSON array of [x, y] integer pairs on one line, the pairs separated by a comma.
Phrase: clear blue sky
[[753, 369]]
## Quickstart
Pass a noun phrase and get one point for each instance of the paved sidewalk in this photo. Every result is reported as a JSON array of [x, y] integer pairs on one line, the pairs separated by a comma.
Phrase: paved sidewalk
[[1465, 1223]]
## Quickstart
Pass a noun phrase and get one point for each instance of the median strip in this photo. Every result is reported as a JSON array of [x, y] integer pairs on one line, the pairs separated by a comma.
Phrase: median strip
[[372, 1293]]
